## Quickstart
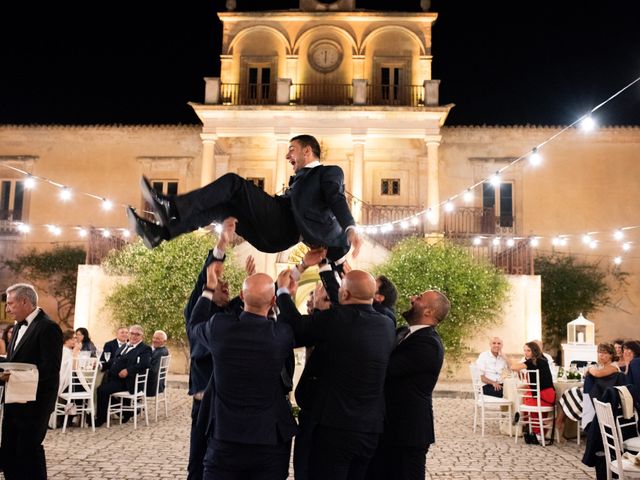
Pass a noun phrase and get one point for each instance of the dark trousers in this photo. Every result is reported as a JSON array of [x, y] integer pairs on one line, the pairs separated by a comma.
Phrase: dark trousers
[[104, 391], [265, 221], [198, 441], [237, 461], [492, 392], [341, 454], [302, 445], [23, 430], [398, 463]]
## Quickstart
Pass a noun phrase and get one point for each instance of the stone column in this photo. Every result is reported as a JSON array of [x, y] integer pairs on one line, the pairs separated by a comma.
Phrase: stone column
[[357, 173], [283, 87], [212, 90], [282, 143], [208, 170], [359, 91], [433, 183]]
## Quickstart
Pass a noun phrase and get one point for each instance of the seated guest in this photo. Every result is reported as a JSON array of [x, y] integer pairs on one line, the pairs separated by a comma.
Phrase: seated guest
[[83, 339], [68, 343], [7, 335], [617, 344], [112, 346], [631, 356], [490, 364], [158, 350], [535, 360], [131, 359]]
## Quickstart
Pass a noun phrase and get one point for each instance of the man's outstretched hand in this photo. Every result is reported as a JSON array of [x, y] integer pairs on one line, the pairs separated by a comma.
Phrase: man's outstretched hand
[[355, 240], [314, 257], [285, 280], [212, 275], [228, 232]]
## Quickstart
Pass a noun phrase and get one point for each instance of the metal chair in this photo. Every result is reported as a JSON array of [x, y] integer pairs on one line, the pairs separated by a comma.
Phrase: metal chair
[[611, 440], [121, 402], [491, 408], [161, 397], [533, 415], [78, 399]]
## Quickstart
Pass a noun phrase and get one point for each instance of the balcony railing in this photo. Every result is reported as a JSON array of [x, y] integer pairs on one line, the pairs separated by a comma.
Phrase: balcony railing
[[516, 260], [247, 94], [321, 94], [401, 95], [8, 219]]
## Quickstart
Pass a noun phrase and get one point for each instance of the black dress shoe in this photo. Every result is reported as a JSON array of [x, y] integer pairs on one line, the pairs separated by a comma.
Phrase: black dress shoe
[[160, 204], [152, 235]]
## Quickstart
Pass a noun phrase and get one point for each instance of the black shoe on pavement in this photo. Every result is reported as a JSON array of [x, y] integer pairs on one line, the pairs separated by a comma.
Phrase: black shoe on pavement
[[152, 235], [160, 204]]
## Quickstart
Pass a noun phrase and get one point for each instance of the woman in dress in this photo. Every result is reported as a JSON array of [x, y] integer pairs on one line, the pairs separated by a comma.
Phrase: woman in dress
[[84, 341]]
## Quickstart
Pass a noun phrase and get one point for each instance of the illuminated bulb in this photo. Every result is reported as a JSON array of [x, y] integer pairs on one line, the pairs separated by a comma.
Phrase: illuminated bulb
[[431, 217], [618, 234], [617, 260], [626, 246], [495, 180], [535, 158], [510, 242], [372, 230], [29, 182], [24, 228], [534, 242], [563, 242], [106, 233], [555, 242], [218, 228], [83, 232], [587, 124], [415, 221], [54, 230], [448, 207], [404, 224], [126, 233], [387, 227], [496, 241], [467, 196], [107, 204], [586, 239], [477, 241], [593, 245], [65, 194]]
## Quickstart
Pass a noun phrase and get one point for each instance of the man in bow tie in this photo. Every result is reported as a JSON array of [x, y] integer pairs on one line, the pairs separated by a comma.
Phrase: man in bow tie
[[132, 358], [313, 210], [36, 340]]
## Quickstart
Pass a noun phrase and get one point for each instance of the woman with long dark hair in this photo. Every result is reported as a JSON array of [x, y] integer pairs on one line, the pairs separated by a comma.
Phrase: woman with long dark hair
[[84, 341]]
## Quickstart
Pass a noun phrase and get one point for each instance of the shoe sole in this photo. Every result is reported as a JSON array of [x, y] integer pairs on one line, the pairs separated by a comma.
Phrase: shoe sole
[[147, 189], [133, 225]]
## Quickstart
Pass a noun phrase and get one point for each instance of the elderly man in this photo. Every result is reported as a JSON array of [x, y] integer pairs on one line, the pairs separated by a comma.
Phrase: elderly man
[[344, 397], [134, 357], [490, 364], [36, 340], [158, 350], [251, 423], [414, 367]]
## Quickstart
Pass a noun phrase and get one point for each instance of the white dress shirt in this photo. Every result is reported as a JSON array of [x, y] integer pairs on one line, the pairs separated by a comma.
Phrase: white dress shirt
[[491, 366]]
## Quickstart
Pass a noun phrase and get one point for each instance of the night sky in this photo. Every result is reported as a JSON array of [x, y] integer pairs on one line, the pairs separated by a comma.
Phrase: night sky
[[512, 62]]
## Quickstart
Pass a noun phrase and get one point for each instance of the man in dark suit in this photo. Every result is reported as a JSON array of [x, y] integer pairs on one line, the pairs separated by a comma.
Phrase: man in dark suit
[[158, 350], [132, 358], [112, 346], [412, 374], [343, 388], [36, 340], [313, 210], [251, 425]]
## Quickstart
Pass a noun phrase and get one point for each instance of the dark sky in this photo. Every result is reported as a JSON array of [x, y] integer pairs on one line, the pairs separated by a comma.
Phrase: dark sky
[[501, 62]]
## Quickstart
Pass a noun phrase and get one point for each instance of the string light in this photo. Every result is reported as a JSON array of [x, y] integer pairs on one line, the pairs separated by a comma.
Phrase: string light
[[511, 242], [477, 241], [29, 182], [588, 124], [618, 234], [535, 158], [448, 207], [65, 194], [617, 260], [107, 204], [495, 180], [467, 196], [404, 225], [82, 232], [106, 233], [534, 242], [626, 246]]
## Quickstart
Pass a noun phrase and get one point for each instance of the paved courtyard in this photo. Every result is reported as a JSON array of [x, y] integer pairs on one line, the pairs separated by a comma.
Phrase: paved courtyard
[[160, 450]]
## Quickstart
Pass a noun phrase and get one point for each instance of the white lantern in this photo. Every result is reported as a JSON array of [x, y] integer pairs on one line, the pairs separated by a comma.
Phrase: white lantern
[[581, 331]]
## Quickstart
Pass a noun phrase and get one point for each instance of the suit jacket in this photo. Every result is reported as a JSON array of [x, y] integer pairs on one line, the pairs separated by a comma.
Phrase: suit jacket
[[112, 346], [319, 206], [154, 370], [249, 351], [412, 374], [348, 365], [137, 360], [41, 345]]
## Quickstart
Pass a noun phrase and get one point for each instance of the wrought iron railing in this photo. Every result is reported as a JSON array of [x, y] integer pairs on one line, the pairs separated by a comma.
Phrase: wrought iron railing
[[321, 94], [401, 95], [247, 93]]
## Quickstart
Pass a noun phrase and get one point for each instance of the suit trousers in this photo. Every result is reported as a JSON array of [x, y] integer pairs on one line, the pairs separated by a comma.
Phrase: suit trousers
[[398, 463], [265, 221], [23, 430], [104, 392], [302, 445], [197, 444], [238, 461], [341, 454]]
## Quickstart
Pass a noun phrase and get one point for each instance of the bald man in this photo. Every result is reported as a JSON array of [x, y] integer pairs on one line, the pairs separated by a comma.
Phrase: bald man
[[344, 405], [253, 424], [490, 364]]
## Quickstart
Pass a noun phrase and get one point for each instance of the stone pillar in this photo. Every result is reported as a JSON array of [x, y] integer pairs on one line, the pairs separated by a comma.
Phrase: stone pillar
[[207, 173], [283, 88], [282, 145], [431, 93], [359, 91], [433, 183], [211, 90], [292, 68], [358, 66], [357, 173]]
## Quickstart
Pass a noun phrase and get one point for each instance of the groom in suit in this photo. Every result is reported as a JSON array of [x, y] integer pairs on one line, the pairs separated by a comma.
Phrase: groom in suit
[[133, 357], [313, 210], [36, 340]]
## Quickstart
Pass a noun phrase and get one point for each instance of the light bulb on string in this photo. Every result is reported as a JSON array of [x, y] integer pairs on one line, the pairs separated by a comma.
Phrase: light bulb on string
[[586, 239], [387, 227], [593, 245], [65, 194], [618, 234], [415, 221], [535, 158], [534, 242], [495, 180], [54, 230], [477, 241], [431, 216], [126, 233], [107, 204], [82, 232], [448, 206], [617, 260], [29, 182], [496, 241], [404, 225], [467, 196], [626, 246], [23, 228], [587, 124], [106, 233], [511, 242]]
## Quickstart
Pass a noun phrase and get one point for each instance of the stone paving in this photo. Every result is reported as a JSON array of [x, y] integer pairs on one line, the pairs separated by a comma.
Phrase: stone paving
[[160, 450]]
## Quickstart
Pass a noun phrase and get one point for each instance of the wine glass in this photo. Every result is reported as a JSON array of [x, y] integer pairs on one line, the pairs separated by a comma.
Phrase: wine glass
[[107, 356]]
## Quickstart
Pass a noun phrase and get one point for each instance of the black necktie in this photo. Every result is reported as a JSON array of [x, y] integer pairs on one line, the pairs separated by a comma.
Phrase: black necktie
[[402, 333]]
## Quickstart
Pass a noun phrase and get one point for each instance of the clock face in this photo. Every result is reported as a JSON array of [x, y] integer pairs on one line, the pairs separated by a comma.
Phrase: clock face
[[325, 56]]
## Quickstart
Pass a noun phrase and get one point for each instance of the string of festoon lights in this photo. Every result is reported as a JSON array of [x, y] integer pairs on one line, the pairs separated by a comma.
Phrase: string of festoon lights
[[592, 238]]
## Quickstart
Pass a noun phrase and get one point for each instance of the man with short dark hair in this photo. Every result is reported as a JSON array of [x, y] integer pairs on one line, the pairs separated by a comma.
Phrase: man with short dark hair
[[112, 346], [386, 297], [313, 210], [36, 340]]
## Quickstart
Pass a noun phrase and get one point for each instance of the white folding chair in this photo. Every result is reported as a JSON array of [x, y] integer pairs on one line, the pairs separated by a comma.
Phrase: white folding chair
[[121, 402], [632, 443], [533, 415], [161, 397], [612, 444], [78, 399], [490, 408]]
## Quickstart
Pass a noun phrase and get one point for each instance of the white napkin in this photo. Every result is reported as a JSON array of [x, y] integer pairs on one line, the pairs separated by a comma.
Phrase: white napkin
[[21, 386]]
